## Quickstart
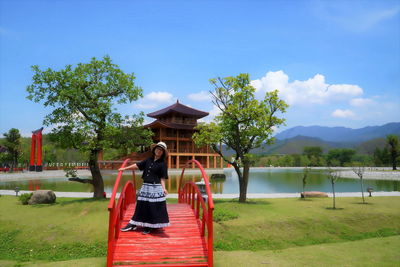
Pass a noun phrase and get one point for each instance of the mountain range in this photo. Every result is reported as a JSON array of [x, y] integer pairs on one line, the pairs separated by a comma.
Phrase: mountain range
[[341, 134], [364, 140]]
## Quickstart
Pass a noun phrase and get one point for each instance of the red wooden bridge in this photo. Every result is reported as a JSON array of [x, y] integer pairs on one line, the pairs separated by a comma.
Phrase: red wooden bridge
[[187, 242]]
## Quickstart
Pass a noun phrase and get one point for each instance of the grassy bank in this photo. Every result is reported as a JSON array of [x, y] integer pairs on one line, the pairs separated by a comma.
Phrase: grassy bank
[[73, 232], [284, 223], [69, 229]]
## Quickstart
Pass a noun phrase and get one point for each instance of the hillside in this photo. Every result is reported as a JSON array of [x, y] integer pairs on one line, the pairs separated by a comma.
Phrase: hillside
[[296, 145], [341, 134]]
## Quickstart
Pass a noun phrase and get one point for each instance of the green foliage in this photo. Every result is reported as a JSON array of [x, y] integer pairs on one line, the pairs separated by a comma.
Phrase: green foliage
[[314, 154], [315, 151], [394, 149], [70, 172], [24, 198], [340, 156], [128, 139], [12, 143], [381, 157], [291, 160], [244, 123], [82, 100]]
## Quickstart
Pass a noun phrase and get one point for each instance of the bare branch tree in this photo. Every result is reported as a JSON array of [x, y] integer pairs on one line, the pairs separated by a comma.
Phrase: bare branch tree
[[359, 170]]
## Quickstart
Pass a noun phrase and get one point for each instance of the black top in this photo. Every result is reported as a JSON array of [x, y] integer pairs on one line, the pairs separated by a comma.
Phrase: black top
[[153, 171]]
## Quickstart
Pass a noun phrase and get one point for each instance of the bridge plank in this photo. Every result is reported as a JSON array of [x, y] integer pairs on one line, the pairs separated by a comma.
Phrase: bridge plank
[[177, 245]]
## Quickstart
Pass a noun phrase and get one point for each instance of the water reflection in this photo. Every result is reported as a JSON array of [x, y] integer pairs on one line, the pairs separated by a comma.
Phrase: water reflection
[[260, 181]]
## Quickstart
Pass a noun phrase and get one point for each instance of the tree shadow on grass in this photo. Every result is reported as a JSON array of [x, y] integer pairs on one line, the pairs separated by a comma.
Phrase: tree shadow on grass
[[236, 201], [362, 203], [256, 202], [331, 208], [305, 199], [82, 200]]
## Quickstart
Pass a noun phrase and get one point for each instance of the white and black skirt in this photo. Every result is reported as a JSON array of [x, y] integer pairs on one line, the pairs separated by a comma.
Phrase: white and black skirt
[[151, 207]]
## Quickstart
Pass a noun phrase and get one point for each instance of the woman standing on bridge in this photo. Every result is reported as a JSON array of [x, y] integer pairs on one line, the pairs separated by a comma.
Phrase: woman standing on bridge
[[151, 208]]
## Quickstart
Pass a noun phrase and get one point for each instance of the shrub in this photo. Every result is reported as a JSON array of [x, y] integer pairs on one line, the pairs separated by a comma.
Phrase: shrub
[[24, 198], [70, 172]]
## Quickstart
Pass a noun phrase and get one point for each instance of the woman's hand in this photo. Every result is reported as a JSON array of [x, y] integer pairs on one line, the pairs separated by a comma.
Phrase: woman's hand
[[121, 169], [163, 186]]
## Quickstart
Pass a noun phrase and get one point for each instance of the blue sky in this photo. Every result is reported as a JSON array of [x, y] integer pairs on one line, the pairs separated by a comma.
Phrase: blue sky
[[336, 63]]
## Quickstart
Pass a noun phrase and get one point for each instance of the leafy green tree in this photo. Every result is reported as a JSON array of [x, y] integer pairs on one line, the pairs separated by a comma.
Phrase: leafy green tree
[[128, 139], [243, 124], [333, 176], [314, 153], [381, 156], [12, 143], [341, 155], [82, 99], [362, 159], [393, 142]]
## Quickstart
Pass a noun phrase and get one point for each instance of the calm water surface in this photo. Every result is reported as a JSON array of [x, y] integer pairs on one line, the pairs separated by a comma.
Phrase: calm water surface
[[260, 181]]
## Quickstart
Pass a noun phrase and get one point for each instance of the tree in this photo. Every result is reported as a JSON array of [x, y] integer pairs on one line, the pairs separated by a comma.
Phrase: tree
[[244, 123], [82, 99], [381, 157], [314, 153], [393, 142], [306, 171], [128, 139], [359, 170], [333, 176], [13, 145], [340, 155]]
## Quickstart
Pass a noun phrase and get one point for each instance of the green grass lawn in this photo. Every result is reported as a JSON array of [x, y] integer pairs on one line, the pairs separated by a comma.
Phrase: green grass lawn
[[274, 232]]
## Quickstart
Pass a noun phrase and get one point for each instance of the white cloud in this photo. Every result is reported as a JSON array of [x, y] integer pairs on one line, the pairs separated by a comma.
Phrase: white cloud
[[212, 113], [201, 96], [312, 91], [361, 102], [154, 99], [145, 105], [343, 113], [161, 97]]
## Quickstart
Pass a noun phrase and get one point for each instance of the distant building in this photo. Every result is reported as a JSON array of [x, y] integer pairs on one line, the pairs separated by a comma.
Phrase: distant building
[[174, 125]]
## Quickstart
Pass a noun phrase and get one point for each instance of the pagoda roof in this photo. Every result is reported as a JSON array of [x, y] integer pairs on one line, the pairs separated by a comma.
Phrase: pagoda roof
[[178, 108], [163, 124]]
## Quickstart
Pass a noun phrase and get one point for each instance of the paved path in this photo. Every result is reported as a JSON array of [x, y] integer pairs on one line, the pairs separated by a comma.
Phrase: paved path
[[219, 196]]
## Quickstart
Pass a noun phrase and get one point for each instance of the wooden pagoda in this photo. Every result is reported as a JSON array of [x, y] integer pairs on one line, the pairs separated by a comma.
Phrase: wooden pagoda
[[174, 125]]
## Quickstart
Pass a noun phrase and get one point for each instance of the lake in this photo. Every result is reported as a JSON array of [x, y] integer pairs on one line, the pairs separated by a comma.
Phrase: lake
[[260, 181]]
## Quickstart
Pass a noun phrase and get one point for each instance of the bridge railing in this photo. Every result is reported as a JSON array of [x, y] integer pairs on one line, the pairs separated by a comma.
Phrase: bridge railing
[[189, 193], [117, 210]]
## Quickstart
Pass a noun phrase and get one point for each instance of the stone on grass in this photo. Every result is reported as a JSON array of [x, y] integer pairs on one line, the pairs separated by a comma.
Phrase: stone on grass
[[42, 197], [313, 194]]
